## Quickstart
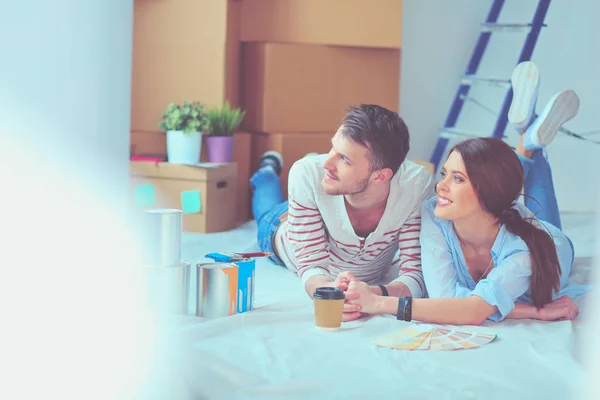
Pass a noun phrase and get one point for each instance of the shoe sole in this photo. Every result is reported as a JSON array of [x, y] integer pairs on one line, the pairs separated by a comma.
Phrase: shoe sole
[[563, 107], [525, 80], [274, 154]]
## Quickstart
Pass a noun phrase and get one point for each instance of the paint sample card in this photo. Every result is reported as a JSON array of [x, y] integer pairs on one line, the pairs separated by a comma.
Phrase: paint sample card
[[191, 202], [144, 195], [433, 337]]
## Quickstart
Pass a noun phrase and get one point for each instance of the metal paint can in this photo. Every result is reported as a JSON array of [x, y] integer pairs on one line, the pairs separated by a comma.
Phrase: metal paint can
[[216, 290], [246, 273], [168, 288], [161, 230]]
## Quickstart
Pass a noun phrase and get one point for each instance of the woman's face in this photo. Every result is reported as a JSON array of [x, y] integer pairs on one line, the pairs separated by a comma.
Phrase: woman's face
[[457, 198]]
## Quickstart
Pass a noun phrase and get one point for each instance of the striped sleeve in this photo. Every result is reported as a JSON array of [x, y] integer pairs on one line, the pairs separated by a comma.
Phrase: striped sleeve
[[409, 266], [410, 272], [306, 230]]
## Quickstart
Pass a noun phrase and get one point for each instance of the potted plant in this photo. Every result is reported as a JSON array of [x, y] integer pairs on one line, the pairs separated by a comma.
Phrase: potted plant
[[222, 124], [184, 123]]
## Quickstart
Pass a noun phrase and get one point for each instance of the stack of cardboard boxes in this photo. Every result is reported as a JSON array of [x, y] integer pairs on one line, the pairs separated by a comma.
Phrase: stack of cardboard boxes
[[187, 49], [304, 62], [295, 66]]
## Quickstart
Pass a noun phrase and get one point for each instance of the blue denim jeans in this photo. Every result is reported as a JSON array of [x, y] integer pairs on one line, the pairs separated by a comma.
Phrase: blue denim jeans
[[540, 197], [268, 208]]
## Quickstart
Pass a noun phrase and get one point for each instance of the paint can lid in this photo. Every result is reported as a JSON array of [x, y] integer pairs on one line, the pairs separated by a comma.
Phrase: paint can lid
[[216, 265]]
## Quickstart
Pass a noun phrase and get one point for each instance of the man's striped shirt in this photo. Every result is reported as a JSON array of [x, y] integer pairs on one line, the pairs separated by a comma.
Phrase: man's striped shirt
[[318, 238]]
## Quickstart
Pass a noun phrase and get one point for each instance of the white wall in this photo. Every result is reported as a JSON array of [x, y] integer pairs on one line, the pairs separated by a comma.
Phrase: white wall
[[438, 39], [65, 84], [65, 292]]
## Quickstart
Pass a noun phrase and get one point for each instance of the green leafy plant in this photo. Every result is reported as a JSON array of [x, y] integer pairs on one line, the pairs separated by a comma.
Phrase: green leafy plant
[[187, 117], [225, 120]]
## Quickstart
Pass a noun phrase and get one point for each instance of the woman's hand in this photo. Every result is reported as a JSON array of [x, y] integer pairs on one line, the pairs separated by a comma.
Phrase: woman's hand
[[560, 309], [358, 293], [342, 281]]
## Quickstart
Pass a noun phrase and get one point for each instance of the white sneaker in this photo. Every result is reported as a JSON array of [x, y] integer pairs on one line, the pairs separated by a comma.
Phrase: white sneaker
[[525, 81], [562, 107]]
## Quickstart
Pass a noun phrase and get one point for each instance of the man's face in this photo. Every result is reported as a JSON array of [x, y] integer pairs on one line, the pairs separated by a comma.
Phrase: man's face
[[347, 167]]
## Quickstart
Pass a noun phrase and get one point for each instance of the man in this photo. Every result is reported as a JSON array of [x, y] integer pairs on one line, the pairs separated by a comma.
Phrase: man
[[348, 211]]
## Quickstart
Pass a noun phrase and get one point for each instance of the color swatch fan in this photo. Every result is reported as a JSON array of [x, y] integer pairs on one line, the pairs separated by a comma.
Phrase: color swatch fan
[[432, 337]]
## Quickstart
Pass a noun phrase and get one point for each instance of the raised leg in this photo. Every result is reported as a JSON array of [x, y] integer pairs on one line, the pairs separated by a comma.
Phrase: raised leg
[[266, 187], [540, 196], [267, 201], [525, 81]]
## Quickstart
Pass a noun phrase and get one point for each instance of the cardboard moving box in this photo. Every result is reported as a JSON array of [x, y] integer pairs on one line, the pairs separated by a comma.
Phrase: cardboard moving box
[[207, 196], [154, 143], [242, 156], [365, 23], [292, 146], [308, 88], [149, 142], [183, 49]]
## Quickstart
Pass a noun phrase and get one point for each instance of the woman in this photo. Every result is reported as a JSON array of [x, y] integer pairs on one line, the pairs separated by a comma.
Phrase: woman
[[483, 255]]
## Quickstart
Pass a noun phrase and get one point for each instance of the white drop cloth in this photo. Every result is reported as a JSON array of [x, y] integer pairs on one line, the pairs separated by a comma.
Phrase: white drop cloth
[[275, 352]]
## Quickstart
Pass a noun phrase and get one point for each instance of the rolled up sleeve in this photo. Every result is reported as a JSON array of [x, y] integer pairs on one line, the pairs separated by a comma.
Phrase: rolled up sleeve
[[505, 284]]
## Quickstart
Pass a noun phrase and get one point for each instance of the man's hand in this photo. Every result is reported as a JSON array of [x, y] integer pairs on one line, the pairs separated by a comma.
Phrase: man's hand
[[354, 306], [343, 280], [351, 311], [316, 281], [560, 309], [359, 294]]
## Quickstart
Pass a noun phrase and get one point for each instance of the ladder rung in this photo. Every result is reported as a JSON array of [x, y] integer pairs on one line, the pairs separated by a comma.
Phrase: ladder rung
[[495, 27], [453, 133], [473, 80]]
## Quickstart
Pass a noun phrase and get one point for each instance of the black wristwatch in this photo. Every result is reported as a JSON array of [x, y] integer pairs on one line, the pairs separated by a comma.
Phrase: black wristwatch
[[404, 309]]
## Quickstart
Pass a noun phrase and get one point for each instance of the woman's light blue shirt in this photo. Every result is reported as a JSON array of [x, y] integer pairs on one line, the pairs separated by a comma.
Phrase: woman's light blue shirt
[[445, 269]]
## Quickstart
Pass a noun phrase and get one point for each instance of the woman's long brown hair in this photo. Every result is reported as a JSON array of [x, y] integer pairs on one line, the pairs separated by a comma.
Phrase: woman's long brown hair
[[496, 174]]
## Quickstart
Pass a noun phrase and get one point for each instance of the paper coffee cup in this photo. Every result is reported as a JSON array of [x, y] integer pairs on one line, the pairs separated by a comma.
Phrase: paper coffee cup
[[329, 307]]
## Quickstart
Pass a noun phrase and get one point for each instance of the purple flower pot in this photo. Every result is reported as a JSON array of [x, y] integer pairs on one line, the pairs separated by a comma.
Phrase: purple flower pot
[[220, 148]]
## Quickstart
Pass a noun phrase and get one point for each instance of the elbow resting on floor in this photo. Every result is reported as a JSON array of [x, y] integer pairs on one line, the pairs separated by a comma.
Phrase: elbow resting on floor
[[468, 318], [477, 321]]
